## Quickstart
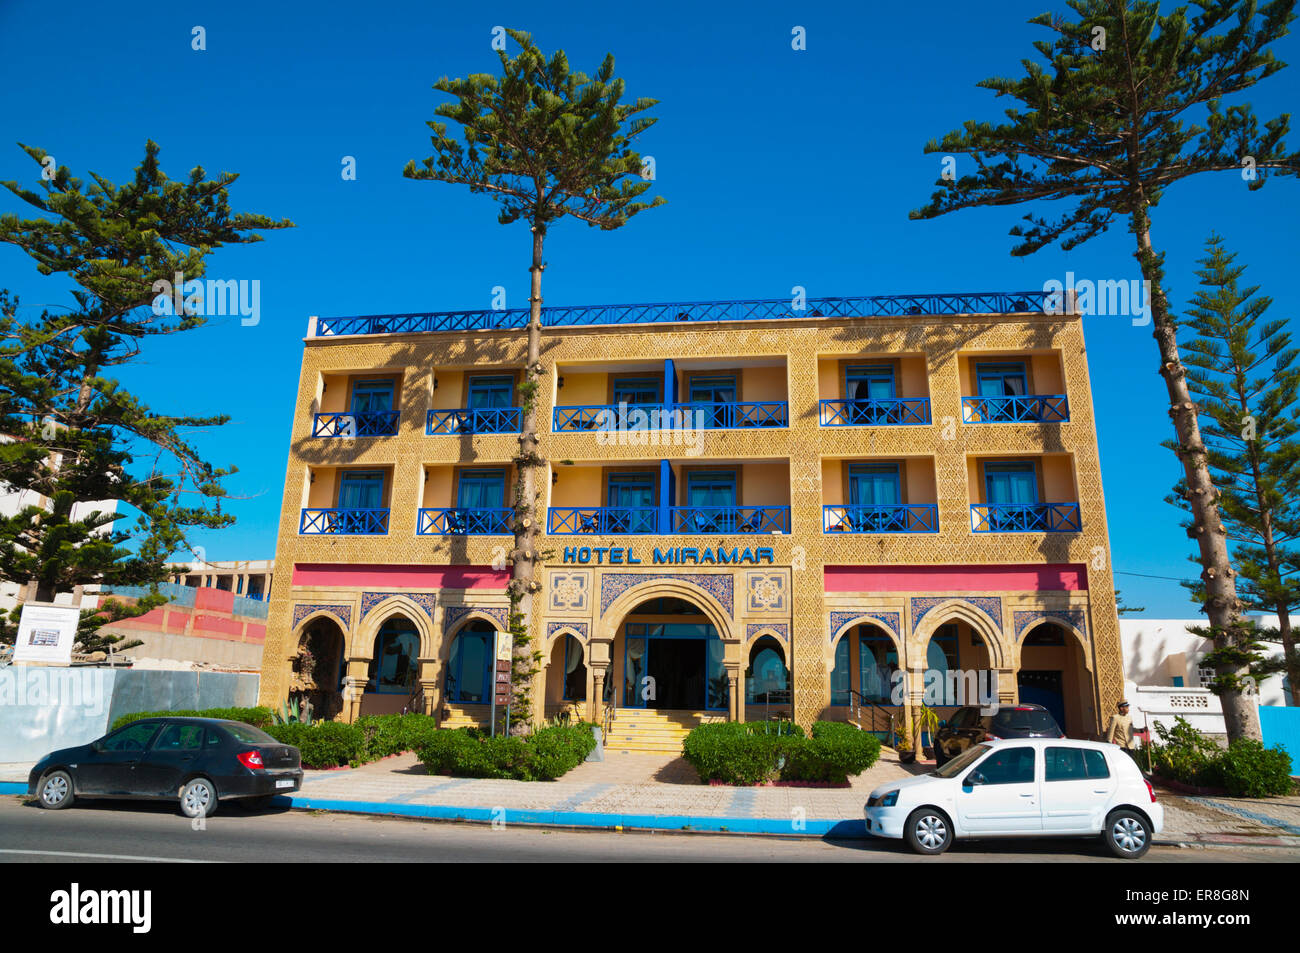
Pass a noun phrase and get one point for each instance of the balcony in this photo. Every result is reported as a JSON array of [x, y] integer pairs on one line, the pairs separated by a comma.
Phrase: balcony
[[875, 411], [464, 420], [464, 521], [381, 423], [343, 522], [682, 520], [881, 518], [722, 415], [1033, 408], [1025, 518]]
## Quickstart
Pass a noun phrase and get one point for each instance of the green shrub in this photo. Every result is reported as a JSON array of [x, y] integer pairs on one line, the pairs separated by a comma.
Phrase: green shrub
[[1248, 769], [545, 755], [392, 734], [258, 717], [323, 744], [749, 753], [1183, 754], [836, 752]]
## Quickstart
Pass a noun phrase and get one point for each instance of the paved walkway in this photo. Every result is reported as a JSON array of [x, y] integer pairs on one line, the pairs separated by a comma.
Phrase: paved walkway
[[663, 792]]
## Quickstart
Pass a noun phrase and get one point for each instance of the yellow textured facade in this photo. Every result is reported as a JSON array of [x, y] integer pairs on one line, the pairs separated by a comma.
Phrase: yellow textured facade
[[800, 361]]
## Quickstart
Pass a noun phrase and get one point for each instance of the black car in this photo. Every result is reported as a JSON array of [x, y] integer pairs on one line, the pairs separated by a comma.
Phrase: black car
[[969, 726], [194, 761]]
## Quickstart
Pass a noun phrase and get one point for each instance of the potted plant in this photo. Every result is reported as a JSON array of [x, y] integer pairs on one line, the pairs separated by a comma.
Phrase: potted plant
[[926, 722]]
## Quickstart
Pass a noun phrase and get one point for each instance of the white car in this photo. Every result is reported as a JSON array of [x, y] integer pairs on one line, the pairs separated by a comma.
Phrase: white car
[[1023, 787]]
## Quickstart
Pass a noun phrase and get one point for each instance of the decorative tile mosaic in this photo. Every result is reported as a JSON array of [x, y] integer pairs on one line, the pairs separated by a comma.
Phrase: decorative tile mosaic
[[553, 627], [1024, 619], [721, 586], [780, 629], [893, 621], [568, 590], [425, 600], [765, 592], [991, 606], [453, 614], [343, 613]]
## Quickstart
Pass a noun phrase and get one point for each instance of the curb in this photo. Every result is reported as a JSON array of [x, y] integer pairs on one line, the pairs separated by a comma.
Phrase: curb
[[678, 823], [13, 787]]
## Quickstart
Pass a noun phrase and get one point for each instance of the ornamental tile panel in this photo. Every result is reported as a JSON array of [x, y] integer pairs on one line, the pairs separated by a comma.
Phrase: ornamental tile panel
[[568, 591], [780, 629], [451, 615], [579, 627], [425, 600], [893, 621], [991, 606], [342, 613], [767, 591], [1023, 619], [721, 586]]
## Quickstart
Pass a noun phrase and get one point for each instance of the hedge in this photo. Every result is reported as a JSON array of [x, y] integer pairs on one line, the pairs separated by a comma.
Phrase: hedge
[[323, 744], [545, 755], [258, 717], [1244, 769], [746, 753]]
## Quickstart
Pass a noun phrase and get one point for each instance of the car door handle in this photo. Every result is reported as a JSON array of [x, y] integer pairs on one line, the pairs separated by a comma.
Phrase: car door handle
[[1026, 795], [1100, 791]]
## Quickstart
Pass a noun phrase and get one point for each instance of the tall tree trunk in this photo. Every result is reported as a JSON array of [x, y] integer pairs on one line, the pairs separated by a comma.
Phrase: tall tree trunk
[[1222, 606], [524, 558]]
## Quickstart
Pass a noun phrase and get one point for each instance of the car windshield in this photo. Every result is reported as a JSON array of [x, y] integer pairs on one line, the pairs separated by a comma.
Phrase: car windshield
[[961, 762], [1025, 719], [247, 733]]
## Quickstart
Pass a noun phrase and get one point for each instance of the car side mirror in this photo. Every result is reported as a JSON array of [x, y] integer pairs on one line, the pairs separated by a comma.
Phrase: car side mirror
[[97, 746], [973, 779]]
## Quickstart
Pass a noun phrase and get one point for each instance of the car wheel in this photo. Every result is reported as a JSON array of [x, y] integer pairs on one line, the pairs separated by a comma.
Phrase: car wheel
[[1127, 834], [928, 831], [54, 792], [199, 798]]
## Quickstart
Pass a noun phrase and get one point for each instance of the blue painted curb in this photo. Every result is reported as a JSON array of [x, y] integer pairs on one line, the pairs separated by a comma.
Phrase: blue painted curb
[[845, 829], [13, 787]]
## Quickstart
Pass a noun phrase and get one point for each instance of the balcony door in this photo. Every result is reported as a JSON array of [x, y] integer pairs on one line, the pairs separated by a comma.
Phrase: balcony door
[[712, 499], [720, 394], [1008, 483], [372, 397], [631, 501], [490, 393], [361, 490], [481, 490], [865, 385], [873, 491]]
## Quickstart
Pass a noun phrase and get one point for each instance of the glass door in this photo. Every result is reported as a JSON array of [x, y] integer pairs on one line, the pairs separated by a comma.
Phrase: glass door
[[718, 394]]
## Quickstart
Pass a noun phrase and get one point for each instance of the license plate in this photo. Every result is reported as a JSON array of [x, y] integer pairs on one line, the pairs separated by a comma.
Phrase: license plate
[[284, 784]]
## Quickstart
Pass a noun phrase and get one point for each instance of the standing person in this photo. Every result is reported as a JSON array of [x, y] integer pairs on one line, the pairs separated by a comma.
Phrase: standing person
[[1120, 730]]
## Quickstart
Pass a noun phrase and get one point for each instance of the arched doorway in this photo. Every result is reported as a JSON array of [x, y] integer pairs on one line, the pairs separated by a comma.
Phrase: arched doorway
[[319, 667], [469, 667], [767, 680], [863, 677], [566, 676], [1052, 674], [671, 658], [960, 668], [394, 663]]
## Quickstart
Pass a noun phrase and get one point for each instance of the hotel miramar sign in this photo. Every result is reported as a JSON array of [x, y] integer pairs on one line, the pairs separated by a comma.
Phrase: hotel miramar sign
[[669, 556]]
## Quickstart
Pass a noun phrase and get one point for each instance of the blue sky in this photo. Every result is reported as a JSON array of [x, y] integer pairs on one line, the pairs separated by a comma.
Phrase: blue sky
[[781, 168]]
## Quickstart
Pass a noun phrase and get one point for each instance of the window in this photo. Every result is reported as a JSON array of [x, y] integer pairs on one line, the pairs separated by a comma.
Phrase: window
[[490, 393], [877, 663], [575, 672], [1008, 766], [246, 733], [712, 499], [131, 738], [720, 393], [874, 483], [866, 386], [481, 489], [1074, 764], [1001, 380], [941, 657], [637, 390], [767, 680], [394, 668], [1010, 483], [361, 490], [179, 737], [840, 674], [631, 499], [372, 397]]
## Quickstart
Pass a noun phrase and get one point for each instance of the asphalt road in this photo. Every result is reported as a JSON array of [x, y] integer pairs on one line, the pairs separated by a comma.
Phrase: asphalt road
[[116, 832]]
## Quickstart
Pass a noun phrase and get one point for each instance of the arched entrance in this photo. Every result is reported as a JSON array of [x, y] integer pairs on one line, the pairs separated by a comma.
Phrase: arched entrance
[[469, 666], [669, 656], [319, 667], [1053, 674], [394, 663], [566, 676], [767, 680]]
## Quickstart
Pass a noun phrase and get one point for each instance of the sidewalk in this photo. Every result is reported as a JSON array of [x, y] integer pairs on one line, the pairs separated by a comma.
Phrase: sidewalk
[[662, 792]]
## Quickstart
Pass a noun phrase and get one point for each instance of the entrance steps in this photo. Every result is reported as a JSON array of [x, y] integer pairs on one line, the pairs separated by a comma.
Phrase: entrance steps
[[466, 716], [648, 730]]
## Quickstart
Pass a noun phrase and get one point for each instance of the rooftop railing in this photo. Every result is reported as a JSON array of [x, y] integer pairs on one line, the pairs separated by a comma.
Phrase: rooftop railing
[[768, 309]]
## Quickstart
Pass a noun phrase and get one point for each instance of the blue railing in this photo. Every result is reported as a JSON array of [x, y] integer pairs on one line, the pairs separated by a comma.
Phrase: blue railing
[[766, 309], [464, 521], [683, 520], [381, 423], [875, 411], [1033, 408], [881, 518], [603, 520], [1025, 518], [341, 522], [464, 420], [721, 415], [745, 520]]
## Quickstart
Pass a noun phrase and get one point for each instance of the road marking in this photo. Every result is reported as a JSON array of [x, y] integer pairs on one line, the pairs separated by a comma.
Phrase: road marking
[[72, 853]]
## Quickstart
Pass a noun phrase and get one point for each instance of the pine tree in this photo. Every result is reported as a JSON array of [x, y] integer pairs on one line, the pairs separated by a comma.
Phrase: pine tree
[[1109, 124], [544, 142], [1242, 373], [73, 434]]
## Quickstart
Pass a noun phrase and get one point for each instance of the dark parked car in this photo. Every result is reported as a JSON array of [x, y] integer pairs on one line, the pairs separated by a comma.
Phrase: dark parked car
[[194, 761], [969, 726]]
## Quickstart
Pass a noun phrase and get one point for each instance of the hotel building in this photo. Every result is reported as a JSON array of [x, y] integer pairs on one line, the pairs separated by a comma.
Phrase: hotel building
[[747, 509]]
